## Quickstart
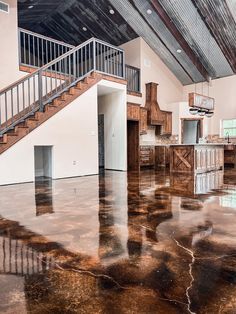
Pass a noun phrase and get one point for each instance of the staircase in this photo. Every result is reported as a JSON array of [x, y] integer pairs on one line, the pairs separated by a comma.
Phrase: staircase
[[31, 101]]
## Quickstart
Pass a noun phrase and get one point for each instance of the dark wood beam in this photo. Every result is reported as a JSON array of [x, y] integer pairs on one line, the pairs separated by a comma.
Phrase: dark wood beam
[[222, 25], [178, 36]]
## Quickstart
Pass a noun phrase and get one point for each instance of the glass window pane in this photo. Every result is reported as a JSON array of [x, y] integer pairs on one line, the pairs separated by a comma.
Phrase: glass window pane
[[229, 123]]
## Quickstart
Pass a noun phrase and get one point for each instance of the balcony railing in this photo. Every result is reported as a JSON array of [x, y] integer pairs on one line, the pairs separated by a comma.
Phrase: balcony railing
[[132, 76], [34, 91], [37, 50]]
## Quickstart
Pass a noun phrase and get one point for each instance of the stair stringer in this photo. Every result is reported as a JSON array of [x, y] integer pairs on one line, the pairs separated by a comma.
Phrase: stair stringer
[[72, 132]]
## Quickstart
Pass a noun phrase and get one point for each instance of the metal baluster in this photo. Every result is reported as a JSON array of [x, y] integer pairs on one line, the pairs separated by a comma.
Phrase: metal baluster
[[58, 50], [70, 78], [34, 50], [89, 58], [29, 93], [38, 63], [50, 51], [47, 51], [23, 94], [42, 52], [74, 65], [29, 50], [40, 90], [51, 80], [94, 56], [60, 73], [34, 89], [54, 51], [123, 64], [12, 111], [6, 115], [24, 49]]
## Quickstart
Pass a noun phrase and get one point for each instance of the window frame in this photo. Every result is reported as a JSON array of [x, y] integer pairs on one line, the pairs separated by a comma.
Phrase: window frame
[[222, 128]]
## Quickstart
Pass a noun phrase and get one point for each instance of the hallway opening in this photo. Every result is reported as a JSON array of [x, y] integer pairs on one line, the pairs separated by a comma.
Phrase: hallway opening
[[43, 162]]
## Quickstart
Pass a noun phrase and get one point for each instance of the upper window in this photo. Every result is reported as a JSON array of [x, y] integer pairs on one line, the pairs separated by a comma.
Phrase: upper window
[[229, 128]]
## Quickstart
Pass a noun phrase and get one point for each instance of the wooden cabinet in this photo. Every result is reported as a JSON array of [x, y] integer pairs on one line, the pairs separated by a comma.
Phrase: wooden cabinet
[[196, 158], [230, 155], [143, 121], [156, 116], [147, 156], [167, 126], [162, 156], [133, 112]]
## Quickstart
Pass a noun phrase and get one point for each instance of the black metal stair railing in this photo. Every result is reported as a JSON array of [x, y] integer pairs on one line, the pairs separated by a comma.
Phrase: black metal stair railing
[[33, 92]]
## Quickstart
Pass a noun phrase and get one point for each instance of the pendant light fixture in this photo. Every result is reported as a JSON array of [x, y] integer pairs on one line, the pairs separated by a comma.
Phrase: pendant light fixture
[[209, 114], [193, 110]]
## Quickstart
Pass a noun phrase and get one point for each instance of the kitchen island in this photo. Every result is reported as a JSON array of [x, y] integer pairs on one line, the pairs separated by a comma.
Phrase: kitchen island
[[196, 158]]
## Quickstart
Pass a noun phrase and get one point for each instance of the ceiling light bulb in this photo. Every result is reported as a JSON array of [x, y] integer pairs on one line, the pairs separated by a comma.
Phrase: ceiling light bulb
[[179, 50], [112, 11], [30, 7], [84, 29], [149, 11]]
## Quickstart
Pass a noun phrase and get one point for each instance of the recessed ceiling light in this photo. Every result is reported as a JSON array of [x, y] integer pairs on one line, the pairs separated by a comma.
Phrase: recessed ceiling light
[[84, 29], [179, 50], [149, 11], [112, 11], [30, 7]]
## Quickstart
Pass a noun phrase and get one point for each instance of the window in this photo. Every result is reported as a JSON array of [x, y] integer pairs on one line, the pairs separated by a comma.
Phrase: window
[[4, 7], [229, 128]]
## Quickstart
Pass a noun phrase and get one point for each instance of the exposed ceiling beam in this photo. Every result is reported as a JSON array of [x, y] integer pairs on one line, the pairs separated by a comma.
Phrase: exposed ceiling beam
[[175, 32], [222, 25]]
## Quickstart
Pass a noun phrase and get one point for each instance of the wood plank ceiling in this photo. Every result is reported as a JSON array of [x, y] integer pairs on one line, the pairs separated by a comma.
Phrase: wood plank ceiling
[[196, 39]]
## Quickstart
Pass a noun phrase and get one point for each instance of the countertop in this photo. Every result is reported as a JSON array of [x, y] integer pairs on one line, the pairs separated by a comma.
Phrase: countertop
[[202, 144]]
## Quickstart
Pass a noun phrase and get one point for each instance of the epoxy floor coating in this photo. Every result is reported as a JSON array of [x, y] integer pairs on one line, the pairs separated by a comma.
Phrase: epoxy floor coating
[[118, 243]]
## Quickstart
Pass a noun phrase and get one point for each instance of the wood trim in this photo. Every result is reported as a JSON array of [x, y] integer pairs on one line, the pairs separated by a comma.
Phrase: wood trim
[[136, 94], [133, 104]]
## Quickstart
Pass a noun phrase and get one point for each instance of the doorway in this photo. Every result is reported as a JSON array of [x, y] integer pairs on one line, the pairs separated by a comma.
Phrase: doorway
[[43, 162], [133, 145], [192, 130], [101, 141]]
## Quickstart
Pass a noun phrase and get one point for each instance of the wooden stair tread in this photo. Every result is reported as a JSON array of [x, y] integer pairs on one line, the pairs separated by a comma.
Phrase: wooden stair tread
[[29, 124]]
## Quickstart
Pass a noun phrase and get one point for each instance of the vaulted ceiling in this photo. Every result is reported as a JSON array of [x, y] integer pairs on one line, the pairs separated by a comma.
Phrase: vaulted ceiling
[[196, 39]]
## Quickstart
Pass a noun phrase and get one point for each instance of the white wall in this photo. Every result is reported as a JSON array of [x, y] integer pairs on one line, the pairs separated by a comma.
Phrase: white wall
[[140, 55], [9, 64], [73, 134], [224, 92], [113, 106]]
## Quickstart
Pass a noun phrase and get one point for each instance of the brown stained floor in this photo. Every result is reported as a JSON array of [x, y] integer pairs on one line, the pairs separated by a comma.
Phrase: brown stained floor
[[118, 243]]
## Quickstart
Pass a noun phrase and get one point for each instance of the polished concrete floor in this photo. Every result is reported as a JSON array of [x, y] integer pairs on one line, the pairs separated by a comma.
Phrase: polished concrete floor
[[119, 243]]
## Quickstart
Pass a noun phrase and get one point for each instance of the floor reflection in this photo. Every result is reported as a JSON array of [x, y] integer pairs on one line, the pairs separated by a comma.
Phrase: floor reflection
[[119, 243], [43, 196]]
